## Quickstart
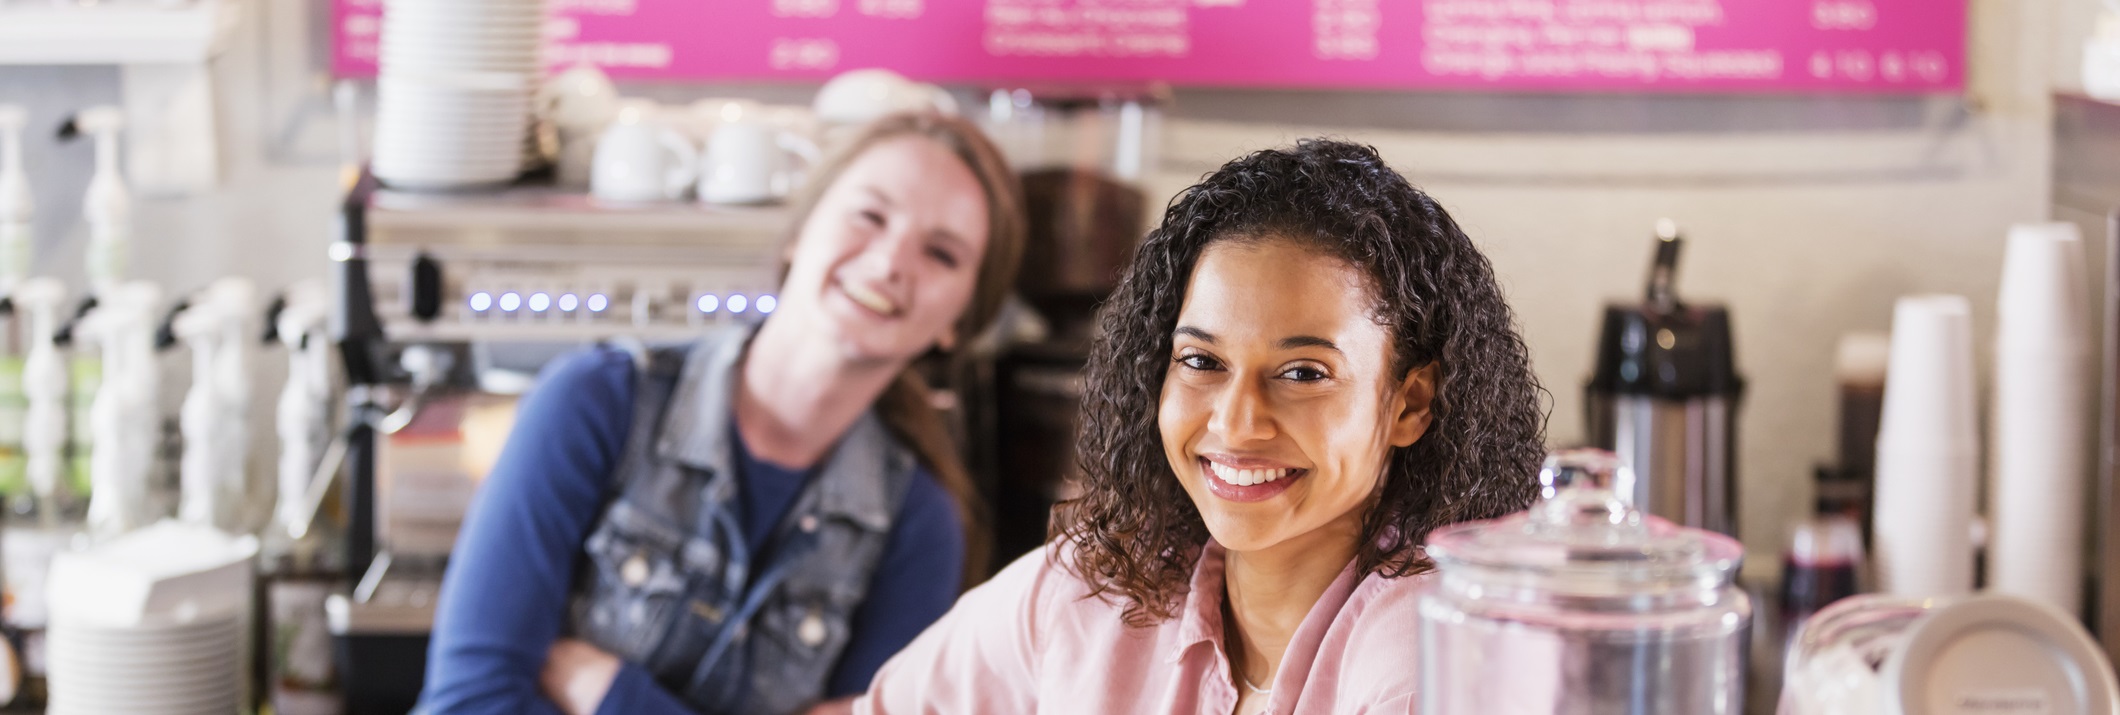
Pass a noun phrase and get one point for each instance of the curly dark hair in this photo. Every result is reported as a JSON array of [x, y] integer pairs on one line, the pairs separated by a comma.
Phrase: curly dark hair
[[1136, 534]]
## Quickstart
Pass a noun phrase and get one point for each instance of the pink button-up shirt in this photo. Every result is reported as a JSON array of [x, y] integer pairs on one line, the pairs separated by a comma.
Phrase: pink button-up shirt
[[1032, 640]]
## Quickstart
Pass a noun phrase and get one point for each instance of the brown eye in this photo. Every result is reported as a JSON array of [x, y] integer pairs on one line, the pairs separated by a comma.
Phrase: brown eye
[[1199, 362], [1304, 374], [872, 218]]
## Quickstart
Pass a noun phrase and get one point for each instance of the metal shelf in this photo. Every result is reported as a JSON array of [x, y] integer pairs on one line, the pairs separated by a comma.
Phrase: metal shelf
[[536, 224], [552, 215], [529, 331]]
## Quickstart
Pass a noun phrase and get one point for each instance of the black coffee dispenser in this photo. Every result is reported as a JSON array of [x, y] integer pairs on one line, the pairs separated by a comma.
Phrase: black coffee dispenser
[[1665, 396]]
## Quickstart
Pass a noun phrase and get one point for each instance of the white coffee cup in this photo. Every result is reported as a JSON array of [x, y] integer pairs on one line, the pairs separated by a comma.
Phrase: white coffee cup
[[639, 159], [752, 161]]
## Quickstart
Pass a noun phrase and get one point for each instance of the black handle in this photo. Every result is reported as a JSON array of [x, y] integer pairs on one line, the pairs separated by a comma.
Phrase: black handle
[[354, 325], [1662, 294], [64, 336], [271, 334], [166, 331], [426, 288]]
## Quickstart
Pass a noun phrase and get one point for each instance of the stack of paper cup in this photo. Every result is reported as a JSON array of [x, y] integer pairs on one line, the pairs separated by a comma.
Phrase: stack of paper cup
[[2042, 409], [453, 95], [1927, 451]]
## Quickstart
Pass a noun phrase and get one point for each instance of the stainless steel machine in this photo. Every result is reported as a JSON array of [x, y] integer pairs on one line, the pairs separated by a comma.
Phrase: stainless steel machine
[[1664, 397]]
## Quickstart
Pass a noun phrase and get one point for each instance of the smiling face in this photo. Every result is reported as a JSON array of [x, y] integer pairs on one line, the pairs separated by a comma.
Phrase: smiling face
[[888, 259], [1279, 409]]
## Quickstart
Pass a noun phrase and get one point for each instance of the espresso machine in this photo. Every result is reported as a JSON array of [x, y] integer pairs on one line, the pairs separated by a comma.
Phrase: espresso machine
[[1664, 397], [445, 306]]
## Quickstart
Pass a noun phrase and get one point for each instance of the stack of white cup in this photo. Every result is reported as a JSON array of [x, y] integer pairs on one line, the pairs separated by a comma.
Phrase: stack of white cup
[[454, 92], [1928, 451], [2042, 406]]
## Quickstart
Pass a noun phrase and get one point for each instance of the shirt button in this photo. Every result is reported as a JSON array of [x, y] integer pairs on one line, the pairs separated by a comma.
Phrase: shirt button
[[635, 571], [809, 524], [812, 630]]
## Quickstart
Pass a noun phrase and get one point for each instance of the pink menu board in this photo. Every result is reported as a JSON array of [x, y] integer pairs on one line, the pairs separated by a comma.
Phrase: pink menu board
[[1701, 46]]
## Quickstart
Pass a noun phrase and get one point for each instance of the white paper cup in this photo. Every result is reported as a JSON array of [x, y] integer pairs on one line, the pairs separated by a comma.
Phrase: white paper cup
[[1927, 450], [2040, 473], [1929, 389], [2043, 303]]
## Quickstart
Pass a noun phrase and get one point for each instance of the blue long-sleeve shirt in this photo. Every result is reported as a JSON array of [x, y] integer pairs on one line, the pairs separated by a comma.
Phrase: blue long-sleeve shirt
[[504, 597]]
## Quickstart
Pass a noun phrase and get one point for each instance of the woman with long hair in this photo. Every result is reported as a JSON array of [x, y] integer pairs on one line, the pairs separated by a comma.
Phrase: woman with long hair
[[1307, 367], [754, 522]]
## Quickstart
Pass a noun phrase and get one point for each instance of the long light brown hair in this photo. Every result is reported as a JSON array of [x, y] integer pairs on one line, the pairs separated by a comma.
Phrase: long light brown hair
[[905, 407]]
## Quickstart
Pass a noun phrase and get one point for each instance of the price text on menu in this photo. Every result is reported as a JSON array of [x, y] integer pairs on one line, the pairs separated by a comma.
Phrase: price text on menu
[[1863, 46]]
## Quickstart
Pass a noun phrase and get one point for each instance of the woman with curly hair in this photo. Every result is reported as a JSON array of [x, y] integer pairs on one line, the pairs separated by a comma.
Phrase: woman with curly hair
[[1307, 368]]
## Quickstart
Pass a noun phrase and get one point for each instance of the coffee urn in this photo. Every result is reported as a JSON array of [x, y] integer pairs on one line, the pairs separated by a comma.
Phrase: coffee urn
[[1664, 397], [1582, 606]]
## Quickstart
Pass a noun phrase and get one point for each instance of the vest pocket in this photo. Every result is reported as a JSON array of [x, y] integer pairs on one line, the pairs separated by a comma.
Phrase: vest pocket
[[635, 588], [796, 640]]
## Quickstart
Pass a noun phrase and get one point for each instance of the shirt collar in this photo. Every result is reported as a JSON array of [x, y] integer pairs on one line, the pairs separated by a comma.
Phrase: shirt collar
[[699, 424], [697, 421], [1200, 619]]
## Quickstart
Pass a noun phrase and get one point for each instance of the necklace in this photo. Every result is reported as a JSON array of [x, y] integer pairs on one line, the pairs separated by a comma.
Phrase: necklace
[[1248, 685]]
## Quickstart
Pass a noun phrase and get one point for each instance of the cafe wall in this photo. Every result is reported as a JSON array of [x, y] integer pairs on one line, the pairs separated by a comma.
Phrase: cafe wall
[[1799, 264], [1807, 214]]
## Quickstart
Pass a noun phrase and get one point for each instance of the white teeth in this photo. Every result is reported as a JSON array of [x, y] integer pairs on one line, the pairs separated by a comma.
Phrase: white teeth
[[1247, 477], [868, 298]]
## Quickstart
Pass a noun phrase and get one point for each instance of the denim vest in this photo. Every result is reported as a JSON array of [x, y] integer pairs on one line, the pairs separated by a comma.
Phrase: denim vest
[[668, 582]]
